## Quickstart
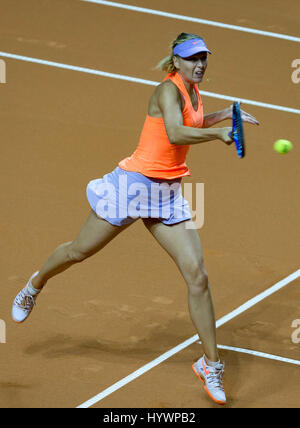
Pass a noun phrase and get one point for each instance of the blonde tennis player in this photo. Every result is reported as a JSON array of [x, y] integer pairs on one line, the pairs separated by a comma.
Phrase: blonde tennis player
[[147, 185]]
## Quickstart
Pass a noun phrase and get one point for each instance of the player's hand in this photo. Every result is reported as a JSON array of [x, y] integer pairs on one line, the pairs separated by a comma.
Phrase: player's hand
[[224, 135], [246, 117]]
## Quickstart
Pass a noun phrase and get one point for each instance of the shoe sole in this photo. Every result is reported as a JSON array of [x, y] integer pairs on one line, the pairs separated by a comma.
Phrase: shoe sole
[[19, 322], [222, 403]]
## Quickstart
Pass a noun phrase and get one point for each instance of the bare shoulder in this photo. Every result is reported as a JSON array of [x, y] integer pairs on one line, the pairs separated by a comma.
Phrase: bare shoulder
[[168, 89], [165, 93]]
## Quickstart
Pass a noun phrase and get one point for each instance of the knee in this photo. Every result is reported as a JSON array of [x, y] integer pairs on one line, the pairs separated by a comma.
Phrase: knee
[[197, 278], [200, 285], [74, 254]]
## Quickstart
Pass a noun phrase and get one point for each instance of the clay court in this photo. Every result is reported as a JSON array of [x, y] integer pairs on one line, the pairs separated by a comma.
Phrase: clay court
[[107, 318]]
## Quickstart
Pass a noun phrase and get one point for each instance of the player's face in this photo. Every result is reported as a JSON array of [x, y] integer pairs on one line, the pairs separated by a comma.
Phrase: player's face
[[193, 67]]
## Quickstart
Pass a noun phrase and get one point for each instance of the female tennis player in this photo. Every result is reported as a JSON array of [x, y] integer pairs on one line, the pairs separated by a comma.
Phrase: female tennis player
[[174, 122]]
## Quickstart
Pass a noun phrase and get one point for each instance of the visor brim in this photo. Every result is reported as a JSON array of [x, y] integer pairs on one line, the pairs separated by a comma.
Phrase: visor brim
[[193, 51]]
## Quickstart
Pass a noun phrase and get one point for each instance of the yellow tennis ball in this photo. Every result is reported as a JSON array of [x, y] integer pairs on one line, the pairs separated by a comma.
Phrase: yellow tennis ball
[[283, 146]]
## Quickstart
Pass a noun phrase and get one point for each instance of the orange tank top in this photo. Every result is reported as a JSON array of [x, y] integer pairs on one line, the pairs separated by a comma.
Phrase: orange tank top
[[155, 156]]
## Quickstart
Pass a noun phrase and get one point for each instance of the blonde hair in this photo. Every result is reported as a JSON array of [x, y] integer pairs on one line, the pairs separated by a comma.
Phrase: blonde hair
[[167, 64]]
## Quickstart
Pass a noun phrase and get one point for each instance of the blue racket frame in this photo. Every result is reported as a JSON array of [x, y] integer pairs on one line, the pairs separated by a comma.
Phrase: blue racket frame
[[237, 133]]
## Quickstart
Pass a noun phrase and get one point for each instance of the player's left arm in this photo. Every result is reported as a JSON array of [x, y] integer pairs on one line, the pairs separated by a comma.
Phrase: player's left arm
[[213, 118]]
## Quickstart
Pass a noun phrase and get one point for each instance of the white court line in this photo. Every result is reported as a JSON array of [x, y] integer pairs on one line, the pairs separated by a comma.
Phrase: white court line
[[191, 19], [188, 342], [260, 354], [141, 81]]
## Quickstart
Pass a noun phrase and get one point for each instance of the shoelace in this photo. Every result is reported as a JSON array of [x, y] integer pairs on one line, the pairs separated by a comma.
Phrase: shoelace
[[215, 377], [25, 301]]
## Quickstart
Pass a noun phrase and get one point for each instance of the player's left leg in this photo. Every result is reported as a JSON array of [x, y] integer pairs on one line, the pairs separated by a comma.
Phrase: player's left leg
[[184, 246]]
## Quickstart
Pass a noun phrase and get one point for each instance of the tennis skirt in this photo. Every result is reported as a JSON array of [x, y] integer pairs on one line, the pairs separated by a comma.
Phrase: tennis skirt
[[121, 197]]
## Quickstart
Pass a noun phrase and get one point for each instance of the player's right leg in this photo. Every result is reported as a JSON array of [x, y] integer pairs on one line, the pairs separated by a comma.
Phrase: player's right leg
[[94, 235]]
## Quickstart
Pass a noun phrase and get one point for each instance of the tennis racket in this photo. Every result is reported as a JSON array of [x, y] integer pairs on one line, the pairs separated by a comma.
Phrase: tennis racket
[[237, 133]]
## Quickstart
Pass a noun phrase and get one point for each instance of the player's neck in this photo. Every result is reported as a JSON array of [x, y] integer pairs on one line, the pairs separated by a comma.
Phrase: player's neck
[[189, 86]]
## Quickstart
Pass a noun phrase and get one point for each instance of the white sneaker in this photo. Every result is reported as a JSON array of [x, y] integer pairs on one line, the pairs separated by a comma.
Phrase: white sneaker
[[212, 377], [23, 303]]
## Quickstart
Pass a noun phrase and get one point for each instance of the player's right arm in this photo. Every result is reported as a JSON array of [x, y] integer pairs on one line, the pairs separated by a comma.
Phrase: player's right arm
[[169, 103]]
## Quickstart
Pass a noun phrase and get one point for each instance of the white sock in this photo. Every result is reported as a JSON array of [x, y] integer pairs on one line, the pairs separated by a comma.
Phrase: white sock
[[212, 363], [31, 290]]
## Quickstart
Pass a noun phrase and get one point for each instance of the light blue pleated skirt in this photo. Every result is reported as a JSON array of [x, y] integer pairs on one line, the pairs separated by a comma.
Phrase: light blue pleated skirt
[[121, 197]]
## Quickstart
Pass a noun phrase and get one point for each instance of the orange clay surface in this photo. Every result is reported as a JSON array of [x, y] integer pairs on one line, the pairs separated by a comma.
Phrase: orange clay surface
[[105, 318]]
